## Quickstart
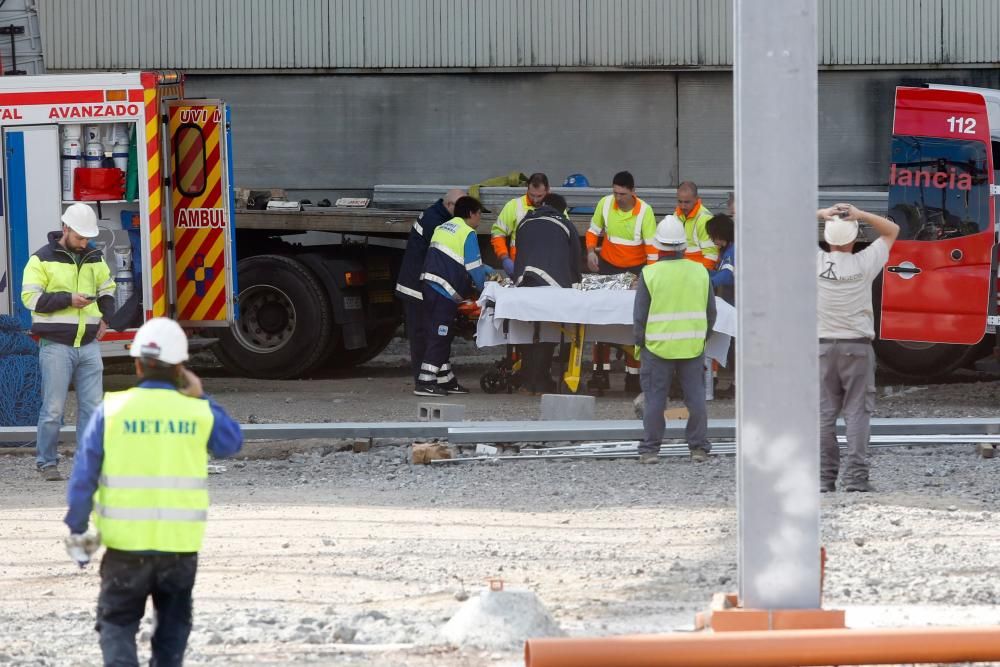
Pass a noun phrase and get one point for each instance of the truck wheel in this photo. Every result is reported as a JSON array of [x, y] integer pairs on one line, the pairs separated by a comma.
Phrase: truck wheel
[[378, 340], [285, 320], [922, 360]]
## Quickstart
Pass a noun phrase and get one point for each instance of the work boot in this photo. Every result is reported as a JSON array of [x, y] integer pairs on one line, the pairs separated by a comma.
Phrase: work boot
[[649, 458], [859, 486], [50, 474], [639, 405], [599, 382], [698, 455], [632, 384], [827, 486], [430, 389]]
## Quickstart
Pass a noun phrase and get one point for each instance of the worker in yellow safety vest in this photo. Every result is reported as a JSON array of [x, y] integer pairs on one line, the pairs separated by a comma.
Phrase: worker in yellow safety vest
[[694, 215], [503, 234], [627, 225], [673, 313], [141, 465]]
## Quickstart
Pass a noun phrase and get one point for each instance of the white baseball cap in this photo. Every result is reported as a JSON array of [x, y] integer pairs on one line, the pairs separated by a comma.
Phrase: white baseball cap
[[670, 234], [162, 339], [838, 231], [82, 220]]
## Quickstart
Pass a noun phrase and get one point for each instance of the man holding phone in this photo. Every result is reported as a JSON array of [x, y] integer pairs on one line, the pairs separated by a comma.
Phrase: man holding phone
[[68, 288]]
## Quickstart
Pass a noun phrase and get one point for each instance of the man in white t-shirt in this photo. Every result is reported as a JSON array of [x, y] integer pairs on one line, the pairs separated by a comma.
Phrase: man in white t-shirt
[[846, 329]]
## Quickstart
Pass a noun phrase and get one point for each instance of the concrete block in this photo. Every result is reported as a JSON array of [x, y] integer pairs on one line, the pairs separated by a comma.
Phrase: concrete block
[[440, 412], [563, 407]]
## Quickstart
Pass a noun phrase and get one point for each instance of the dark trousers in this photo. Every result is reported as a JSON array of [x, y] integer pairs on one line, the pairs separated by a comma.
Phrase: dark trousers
[[537, 365], [655, 377], [439, 331], [127, 579], [413, 310]]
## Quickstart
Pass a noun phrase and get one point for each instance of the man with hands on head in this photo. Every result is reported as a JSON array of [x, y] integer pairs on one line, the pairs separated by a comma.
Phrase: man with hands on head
[[846, 328]]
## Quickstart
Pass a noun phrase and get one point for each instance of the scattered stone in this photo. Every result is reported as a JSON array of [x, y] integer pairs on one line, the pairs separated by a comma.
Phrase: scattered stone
[[461, 595], [285, 545], [896, 521], [952, 508], [500, 620], [345, 634], [860, 541]]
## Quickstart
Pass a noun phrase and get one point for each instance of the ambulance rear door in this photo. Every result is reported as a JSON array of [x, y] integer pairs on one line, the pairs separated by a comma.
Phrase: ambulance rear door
[[938, 284], [202, 253]]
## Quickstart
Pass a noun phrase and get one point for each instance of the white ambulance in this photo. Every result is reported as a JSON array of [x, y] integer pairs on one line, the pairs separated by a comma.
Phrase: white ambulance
[[157, 169]]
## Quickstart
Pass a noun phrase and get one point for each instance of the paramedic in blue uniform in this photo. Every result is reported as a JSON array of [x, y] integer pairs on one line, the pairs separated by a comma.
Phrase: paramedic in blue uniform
[[453, 271], [408, 287], [549, 254]]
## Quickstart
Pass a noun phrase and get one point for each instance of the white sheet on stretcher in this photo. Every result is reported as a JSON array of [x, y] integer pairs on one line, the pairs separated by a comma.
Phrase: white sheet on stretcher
[[607, 314]]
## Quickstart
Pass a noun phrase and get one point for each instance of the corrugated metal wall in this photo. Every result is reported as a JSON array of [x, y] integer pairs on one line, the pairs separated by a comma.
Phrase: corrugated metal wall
[[401, 34], [326, 133]]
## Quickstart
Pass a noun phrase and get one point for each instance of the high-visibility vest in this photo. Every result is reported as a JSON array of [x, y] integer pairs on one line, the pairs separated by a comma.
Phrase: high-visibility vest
[[628, 234], [505, 226], [677, 322], [55, 269], [700, 246], [445, 264], [153, 490]]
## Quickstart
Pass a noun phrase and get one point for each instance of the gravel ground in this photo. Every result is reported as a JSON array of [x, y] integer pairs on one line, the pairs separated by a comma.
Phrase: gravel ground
[[320, 556]]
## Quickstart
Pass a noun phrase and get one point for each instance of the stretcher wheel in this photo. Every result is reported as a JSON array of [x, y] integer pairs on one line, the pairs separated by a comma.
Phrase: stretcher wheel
[[491, 382]]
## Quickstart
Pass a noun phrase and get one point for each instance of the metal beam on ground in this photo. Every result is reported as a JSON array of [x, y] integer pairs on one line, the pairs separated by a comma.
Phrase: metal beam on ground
[[777, 407], [543, 431]]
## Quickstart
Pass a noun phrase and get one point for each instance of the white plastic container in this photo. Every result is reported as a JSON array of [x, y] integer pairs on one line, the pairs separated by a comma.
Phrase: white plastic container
[[120, 154], [94, 154], [72, 158], [124, 281]]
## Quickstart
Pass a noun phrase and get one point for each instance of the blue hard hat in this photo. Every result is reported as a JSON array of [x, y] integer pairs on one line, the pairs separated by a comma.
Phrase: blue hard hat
[[576, 181]]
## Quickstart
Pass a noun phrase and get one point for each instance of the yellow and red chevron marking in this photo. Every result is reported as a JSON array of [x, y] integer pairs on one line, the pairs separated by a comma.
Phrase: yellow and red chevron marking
[[158, 274], [199, 251]]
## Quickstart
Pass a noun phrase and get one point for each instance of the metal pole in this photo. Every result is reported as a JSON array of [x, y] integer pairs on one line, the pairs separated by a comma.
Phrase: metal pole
[[777, 410]]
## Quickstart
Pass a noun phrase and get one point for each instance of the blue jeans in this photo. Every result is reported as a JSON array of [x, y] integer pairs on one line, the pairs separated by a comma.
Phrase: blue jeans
[[61, 364]]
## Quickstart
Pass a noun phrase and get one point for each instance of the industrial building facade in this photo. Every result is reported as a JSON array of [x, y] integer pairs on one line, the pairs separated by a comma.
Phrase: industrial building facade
[[338, 95]]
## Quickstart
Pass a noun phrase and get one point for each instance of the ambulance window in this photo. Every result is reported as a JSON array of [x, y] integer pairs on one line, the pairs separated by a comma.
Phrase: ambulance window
[[938, 188], [189, 160]]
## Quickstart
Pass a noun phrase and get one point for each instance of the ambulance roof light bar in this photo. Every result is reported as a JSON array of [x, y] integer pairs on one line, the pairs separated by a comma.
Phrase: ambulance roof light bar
[[169, 78]]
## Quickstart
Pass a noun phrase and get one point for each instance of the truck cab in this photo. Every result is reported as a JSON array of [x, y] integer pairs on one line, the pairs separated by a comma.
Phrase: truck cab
[[938, 297]]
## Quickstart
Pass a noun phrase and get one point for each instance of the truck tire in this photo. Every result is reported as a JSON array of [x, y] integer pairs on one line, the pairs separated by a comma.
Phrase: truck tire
[[285, 321], [922, 360]]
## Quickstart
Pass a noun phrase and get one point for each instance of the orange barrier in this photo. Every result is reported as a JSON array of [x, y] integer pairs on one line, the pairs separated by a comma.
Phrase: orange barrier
[[773, 648]]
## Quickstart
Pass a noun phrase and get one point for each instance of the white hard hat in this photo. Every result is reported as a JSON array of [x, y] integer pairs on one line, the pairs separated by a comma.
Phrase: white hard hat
[[670, 234], [838, 231], [82, 220], [162, 339]]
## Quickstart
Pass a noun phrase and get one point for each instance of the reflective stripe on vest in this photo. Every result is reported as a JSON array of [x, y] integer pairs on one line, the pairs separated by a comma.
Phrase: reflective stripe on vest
[[86, 277], [449, 240], [621, 234], [540, 273], [152, 494], [677, 322]]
